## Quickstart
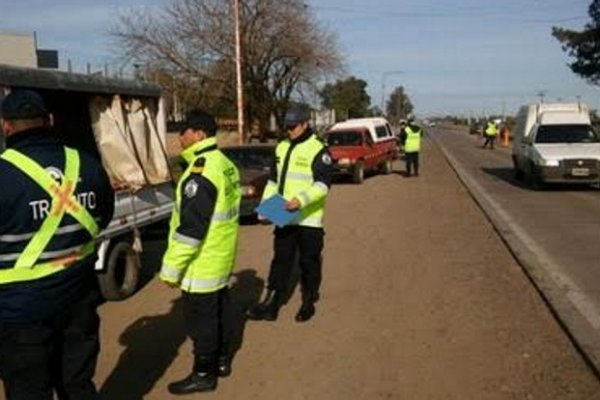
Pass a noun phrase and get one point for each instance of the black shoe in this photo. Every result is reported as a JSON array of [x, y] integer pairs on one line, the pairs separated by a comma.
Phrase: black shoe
[[306, 312], [195, 382], [223, 367], [267, 310]]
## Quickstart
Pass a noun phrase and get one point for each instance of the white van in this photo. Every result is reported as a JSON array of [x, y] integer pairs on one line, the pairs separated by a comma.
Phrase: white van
[[555, 143], [122, 123]]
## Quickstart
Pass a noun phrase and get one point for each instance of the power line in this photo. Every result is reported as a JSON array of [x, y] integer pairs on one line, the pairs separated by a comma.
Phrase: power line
[[445, 15]]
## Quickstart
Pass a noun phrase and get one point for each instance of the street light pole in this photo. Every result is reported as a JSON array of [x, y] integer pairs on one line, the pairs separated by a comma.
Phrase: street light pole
[[238, 72], [384, 75]]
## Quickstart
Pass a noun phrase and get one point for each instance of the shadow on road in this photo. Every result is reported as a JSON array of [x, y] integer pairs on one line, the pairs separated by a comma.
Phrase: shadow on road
[[245, 292], [151, 345], [152, 342]]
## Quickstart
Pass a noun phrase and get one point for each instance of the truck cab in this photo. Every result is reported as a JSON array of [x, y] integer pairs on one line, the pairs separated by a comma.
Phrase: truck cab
[[362, 145]]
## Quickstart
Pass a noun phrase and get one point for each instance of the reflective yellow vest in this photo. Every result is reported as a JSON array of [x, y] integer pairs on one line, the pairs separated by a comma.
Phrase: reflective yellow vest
[[492, 129], [299, 181], [26, 267], [205, 266], [413, 140]]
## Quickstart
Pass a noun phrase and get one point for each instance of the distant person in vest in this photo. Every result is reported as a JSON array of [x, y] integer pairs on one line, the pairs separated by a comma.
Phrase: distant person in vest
[[490, 133], [411, 142], [53, 203], [302, 175], [202, 249]]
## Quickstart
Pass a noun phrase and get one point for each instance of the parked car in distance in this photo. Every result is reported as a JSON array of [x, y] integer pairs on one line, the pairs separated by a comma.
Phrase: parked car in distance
[[254, 163], [475, 129], [362, 145]]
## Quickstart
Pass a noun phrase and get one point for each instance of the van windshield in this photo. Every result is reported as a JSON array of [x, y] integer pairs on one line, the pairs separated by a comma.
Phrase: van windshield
[[344, 138], [566, 134]]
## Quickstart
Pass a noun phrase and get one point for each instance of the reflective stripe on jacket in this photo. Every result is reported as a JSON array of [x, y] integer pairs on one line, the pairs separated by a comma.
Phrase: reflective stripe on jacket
[[27, 264], [203, 265], [295, 178], [413, 140]]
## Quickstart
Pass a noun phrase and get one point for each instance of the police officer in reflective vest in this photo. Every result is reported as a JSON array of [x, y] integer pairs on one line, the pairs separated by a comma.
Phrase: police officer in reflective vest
[[202, 250], [302, 175], [411, 141], [491, 132], [53, 203]]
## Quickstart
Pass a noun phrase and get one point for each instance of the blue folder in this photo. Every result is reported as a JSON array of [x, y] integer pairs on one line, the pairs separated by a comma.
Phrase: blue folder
[[274, 210]]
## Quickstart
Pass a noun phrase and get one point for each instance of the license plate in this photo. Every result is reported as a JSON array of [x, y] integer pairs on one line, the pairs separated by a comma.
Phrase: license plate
[[580, 171]]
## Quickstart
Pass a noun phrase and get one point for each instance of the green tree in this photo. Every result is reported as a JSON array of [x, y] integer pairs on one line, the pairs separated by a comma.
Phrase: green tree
[[399, 105], [347, 97], [583, 46]]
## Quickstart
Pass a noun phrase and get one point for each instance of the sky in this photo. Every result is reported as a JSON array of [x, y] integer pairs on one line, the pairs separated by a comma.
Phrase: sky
[[465, 57]]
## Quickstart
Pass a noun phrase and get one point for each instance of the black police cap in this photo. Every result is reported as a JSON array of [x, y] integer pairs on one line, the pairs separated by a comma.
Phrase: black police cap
[[295, 115], [202, 121], [23, 104]]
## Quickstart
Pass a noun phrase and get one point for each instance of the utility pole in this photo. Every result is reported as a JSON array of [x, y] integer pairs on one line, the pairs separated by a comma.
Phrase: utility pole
[[238, 72], [383, 77], [541, 94]]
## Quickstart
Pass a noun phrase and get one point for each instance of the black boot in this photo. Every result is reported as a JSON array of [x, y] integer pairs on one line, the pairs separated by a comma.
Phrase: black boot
[[202, 379], [268, 309], [307, 309], [223, 366]]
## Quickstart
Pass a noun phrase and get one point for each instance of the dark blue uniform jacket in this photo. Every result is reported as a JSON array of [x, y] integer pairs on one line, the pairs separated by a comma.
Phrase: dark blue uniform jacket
[[23, 207]]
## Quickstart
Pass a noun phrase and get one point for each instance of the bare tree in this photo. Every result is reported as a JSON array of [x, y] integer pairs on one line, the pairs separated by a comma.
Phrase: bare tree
[[283, 47]]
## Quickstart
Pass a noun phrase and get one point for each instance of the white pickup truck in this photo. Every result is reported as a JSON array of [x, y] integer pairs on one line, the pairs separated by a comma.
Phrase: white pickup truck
[[123, 123]]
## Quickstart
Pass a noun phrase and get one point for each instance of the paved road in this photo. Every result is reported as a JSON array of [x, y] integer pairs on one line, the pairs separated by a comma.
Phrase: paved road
[[421, 300], [559, 225]]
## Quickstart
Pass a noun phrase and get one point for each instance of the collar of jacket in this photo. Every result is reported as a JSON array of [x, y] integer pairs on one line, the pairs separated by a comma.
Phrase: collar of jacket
[[32, 137], [303, 137], [197, 148]]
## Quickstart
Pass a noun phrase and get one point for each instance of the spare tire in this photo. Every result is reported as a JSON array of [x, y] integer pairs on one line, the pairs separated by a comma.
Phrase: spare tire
[[120, 277]]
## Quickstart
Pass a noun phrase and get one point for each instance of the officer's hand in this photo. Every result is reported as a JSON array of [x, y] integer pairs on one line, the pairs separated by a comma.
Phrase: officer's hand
[[292, 205], [262, 220]]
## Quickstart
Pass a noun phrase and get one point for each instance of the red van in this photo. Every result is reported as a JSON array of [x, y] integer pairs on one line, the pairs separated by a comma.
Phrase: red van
[[362, 145]]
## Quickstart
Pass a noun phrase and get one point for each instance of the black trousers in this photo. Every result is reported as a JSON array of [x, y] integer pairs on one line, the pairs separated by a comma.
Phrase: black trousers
[[489, 140], [412, 162], [307, 244], [208, 324], [57, 355]]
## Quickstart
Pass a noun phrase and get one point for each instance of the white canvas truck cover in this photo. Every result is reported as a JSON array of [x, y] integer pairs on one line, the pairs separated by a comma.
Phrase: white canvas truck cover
[[133, 146]]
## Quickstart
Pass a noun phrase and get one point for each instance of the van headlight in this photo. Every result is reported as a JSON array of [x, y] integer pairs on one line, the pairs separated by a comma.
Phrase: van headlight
[[548, 163]]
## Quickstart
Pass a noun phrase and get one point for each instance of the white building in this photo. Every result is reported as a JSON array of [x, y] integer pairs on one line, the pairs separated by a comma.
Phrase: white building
[[20, 50]]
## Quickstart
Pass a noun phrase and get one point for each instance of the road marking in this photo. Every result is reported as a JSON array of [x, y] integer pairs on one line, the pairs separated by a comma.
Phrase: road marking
[[572, 291]]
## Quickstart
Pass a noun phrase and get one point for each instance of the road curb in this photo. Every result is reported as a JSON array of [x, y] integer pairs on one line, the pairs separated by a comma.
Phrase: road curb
[[537, 266]]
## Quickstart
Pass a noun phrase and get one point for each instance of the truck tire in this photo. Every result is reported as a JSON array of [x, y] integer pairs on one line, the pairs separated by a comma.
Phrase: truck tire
[[120, 277], [386, 167], [533, 178], [518, 173], [358, 176]]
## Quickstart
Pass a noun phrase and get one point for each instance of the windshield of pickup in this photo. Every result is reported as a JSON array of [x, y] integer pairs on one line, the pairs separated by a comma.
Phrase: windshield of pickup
[[566, 134], [344, 138]]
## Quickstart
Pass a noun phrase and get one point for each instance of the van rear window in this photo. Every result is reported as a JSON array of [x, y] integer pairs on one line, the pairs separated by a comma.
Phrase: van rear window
[[344, 138], [566, 134], [381, 132]]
